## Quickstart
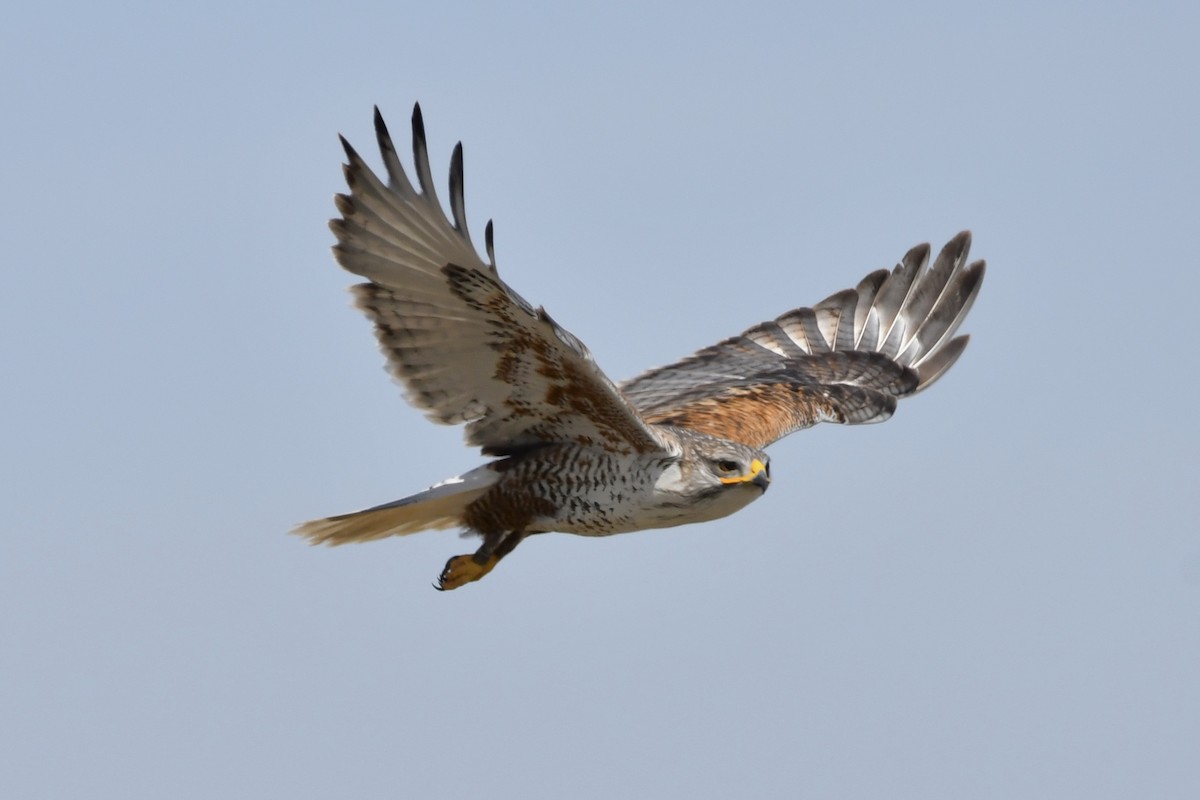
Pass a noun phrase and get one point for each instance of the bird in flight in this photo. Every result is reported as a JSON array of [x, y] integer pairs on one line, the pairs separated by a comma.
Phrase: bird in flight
[[571, 450]]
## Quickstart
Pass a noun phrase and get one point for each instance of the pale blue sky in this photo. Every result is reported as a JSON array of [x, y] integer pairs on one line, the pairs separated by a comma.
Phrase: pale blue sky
[[994, 595]]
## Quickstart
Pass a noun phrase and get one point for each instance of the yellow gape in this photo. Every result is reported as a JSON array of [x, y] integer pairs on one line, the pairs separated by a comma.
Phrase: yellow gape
[[756, 467]]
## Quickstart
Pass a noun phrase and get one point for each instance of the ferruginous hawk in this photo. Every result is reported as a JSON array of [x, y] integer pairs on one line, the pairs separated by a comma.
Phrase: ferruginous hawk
[[573, 451]]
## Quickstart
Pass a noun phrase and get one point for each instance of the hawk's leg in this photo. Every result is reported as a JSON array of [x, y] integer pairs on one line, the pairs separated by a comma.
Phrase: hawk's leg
[[464, 569]]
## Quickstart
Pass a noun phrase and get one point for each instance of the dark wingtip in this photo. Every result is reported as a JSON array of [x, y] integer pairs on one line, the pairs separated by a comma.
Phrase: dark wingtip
[[960, 245], [456, 169], [457, 201], [351, 153], [954, 253], [489, 243], [381, 130], [918, 255], [418, 125]]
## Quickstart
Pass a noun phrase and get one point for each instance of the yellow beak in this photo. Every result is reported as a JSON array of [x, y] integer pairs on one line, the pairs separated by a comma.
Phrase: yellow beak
[[757, 473]]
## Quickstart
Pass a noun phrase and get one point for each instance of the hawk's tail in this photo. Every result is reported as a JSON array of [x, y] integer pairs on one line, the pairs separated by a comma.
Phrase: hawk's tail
[[438, 507]]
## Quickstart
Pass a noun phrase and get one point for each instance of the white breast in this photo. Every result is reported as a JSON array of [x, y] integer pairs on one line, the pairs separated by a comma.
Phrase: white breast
[[636, 494]]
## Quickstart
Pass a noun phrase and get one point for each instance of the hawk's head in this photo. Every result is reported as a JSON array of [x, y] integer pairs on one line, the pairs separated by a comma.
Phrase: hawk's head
[[710, 479]]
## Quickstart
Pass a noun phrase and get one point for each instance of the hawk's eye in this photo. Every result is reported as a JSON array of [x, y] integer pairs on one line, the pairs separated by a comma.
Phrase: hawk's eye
[[727, 466]]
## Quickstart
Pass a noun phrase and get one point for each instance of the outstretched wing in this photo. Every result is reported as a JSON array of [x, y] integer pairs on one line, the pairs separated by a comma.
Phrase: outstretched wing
[[846, 359], [466, 347]]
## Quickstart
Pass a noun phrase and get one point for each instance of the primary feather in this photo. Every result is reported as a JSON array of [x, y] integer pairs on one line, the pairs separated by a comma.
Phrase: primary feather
[[846, 359], [576, 452]]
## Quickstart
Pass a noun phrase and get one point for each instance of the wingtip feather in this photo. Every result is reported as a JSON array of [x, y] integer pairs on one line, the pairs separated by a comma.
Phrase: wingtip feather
[[457, 193], [382, 135], [351, 153], [940, 362]]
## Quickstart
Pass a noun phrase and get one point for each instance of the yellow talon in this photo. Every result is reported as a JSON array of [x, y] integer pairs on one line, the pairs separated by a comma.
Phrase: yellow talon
[[463, 569]]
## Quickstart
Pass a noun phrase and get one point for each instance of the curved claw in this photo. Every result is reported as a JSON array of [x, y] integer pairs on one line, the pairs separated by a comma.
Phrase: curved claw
[[461, 570]]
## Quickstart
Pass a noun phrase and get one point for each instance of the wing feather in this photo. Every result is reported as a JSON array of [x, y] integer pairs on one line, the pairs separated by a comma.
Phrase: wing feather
[[866, 319], [893, 296], [465, 346], [847, 359]]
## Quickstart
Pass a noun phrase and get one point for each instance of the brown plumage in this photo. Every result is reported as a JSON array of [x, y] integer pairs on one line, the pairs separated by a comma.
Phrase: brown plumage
[[575, 452]]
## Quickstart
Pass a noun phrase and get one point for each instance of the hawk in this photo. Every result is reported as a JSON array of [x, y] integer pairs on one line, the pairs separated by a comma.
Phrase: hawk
[[573, 451]]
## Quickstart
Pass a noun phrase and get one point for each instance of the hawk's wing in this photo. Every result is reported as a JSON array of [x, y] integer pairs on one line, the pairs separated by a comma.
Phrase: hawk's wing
[[846, 359], [466, 347]]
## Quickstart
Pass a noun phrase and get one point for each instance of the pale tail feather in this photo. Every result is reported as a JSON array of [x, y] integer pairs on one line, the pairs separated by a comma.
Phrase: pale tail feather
[[438, 507]]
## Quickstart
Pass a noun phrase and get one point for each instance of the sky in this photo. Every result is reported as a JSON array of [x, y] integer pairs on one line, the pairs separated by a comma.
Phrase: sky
[[995, 594]]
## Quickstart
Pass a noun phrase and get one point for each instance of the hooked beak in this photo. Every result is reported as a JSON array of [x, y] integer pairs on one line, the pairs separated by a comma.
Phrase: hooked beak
[[758, 475], [762, 477]]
